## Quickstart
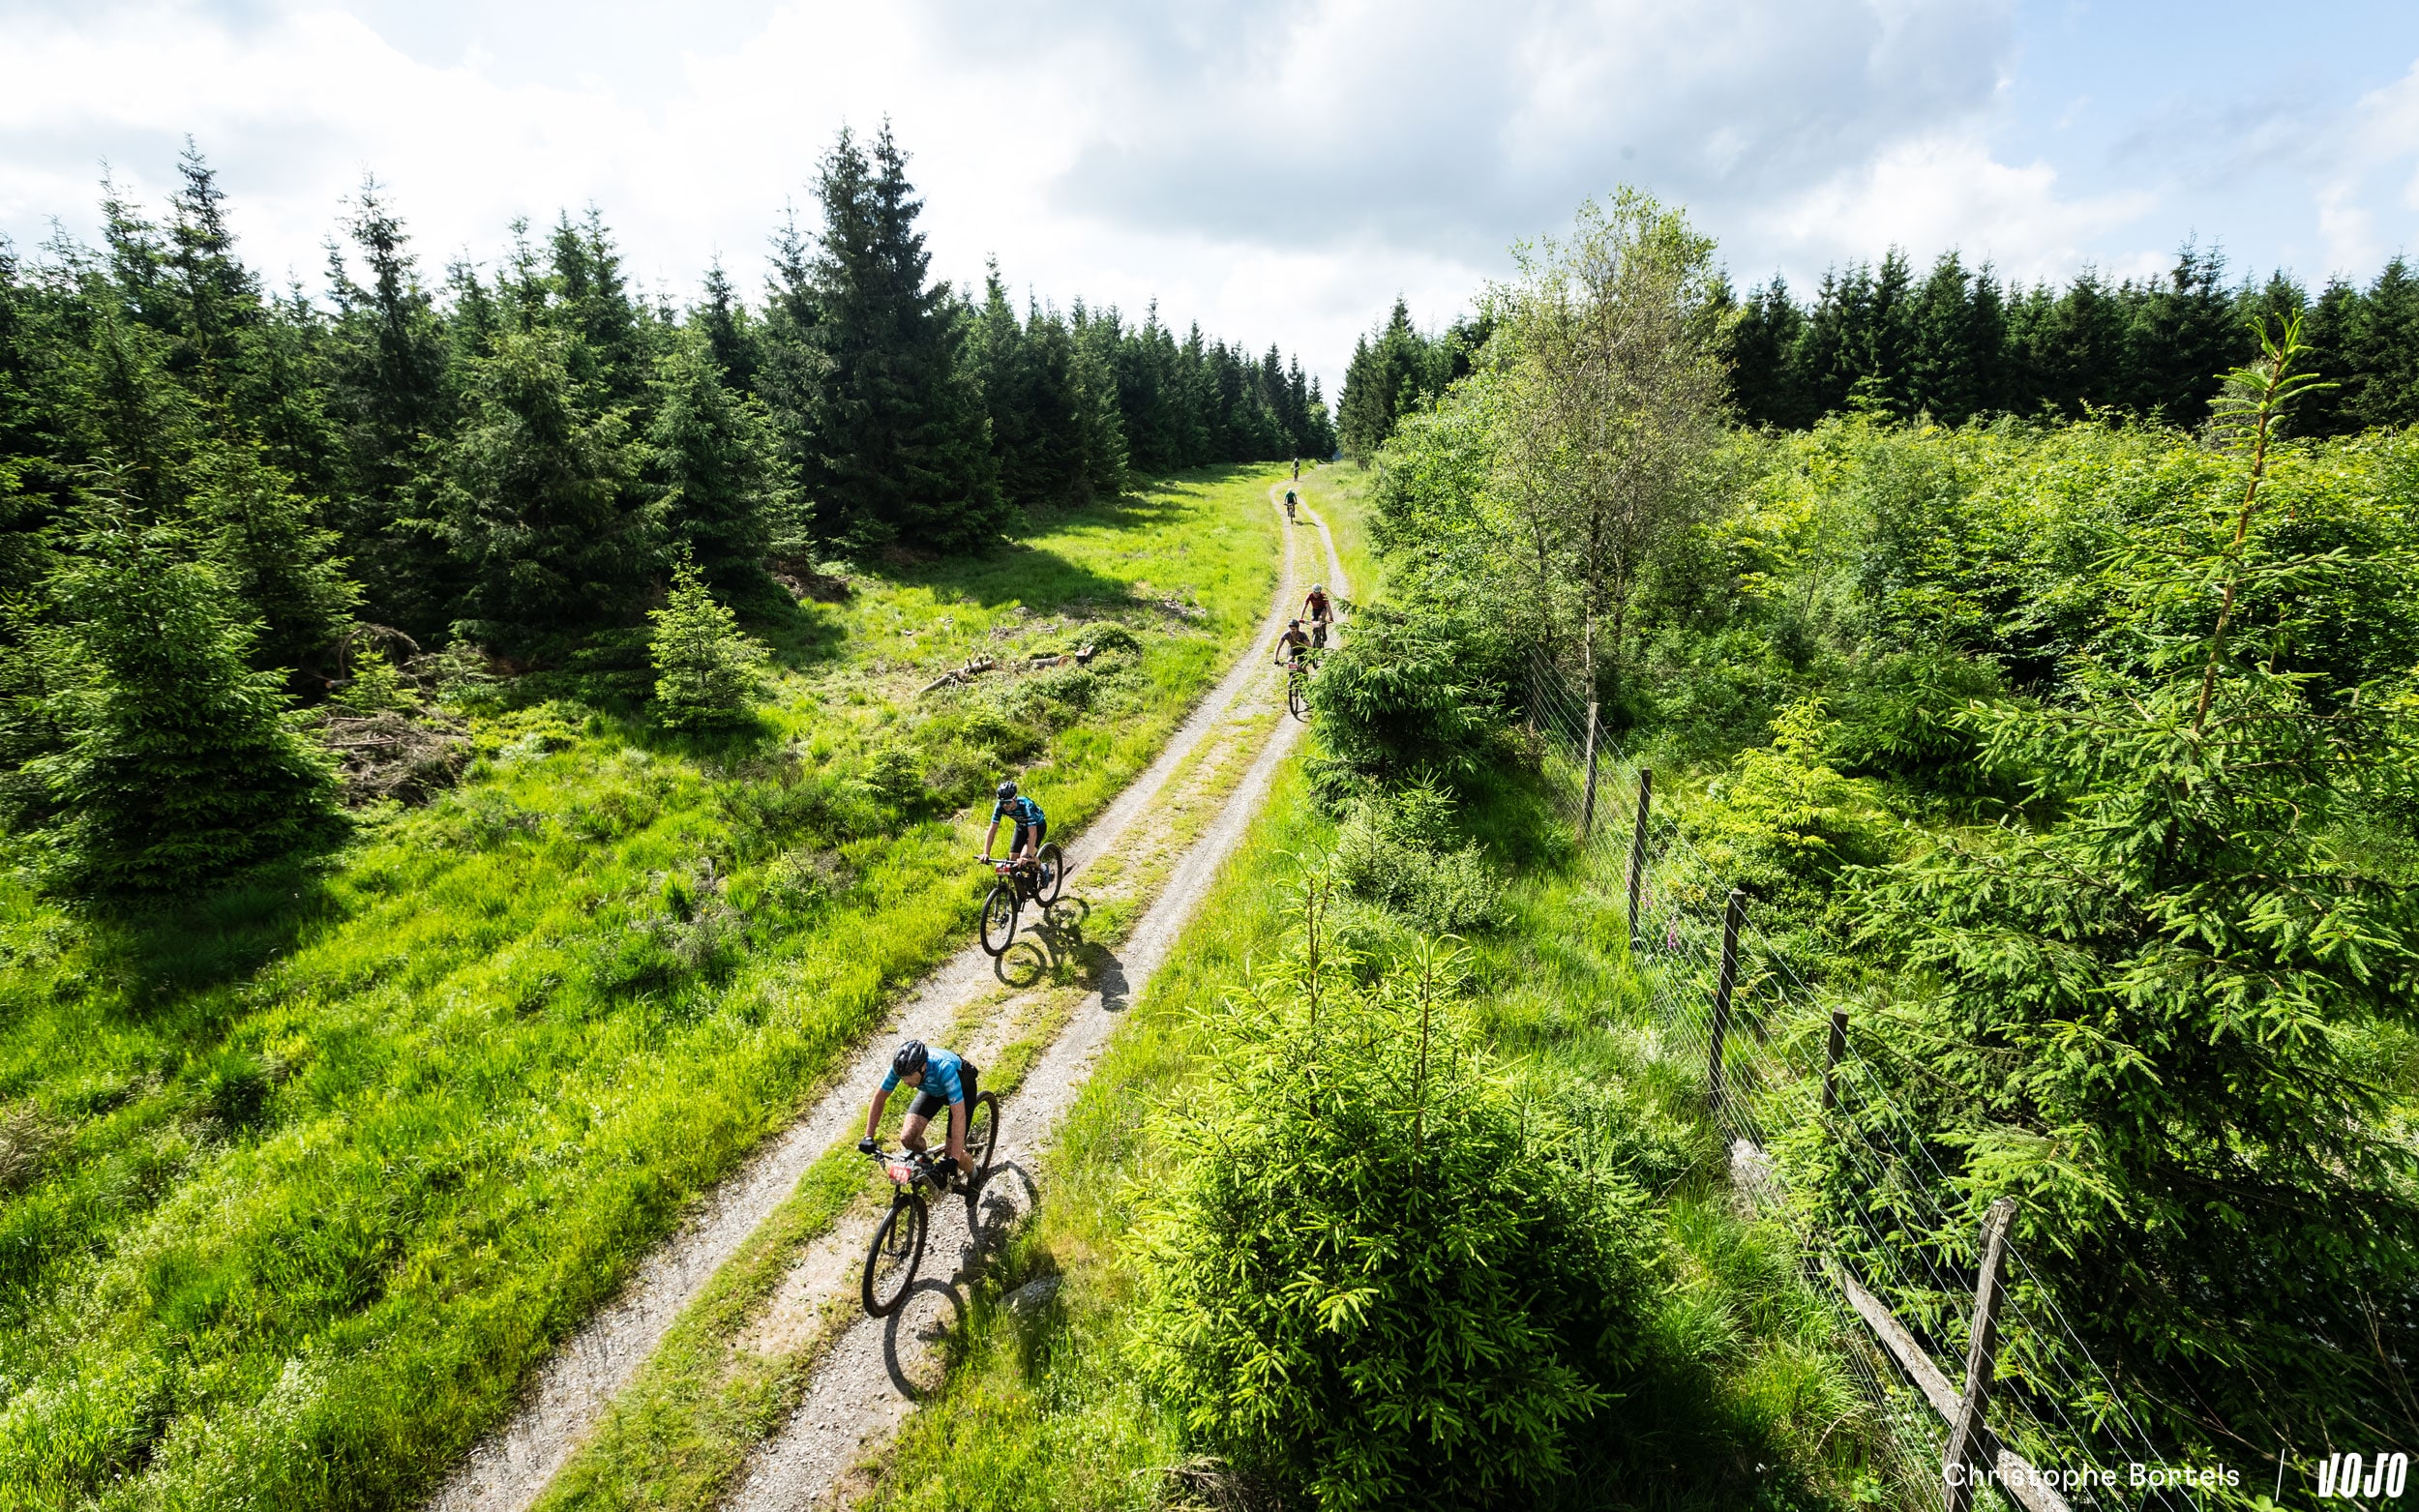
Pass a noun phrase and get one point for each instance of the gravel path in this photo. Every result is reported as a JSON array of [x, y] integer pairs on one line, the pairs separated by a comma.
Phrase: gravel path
[[871, 1376], [506, 1471]]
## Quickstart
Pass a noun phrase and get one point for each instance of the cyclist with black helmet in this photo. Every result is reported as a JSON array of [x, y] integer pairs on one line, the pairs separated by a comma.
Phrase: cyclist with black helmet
[[1292, 645], [1290, 501], [1024, 841], [940, 1080], [1318, 608]]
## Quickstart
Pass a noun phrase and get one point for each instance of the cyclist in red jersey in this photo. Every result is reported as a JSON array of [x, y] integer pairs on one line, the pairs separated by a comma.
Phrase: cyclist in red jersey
[[1319, 610]]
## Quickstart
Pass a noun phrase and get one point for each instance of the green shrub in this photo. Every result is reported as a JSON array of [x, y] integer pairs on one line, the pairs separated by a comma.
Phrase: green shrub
[[1905, 717], [894, 776], [1375, 1281], [374, 687], [184, 763], [1780, 824], [1395, 849], [1109, 635], [707, 672], [1396, 699]]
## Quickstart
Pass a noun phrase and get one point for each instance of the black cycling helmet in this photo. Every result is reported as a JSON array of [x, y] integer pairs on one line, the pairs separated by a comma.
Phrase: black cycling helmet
[[1292, 624], [1004, 791], [911, 1058]]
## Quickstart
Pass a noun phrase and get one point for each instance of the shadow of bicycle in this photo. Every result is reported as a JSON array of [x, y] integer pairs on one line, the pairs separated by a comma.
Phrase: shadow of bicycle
[[933, 1310], [1045, 948]]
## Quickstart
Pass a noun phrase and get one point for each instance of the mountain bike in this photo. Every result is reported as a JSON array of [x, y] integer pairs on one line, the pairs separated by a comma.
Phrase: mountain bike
[[1298, 688], [1020, 882], [898, 1246]]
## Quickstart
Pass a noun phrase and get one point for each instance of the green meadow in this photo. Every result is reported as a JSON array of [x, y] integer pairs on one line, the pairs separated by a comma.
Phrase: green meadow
[[300, 1178]]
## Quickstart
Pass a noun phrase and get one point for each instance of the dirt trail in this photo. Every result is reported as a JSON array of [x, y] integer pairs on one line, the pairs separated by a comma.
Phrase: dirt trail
[[507, 1471], [873, 1371]]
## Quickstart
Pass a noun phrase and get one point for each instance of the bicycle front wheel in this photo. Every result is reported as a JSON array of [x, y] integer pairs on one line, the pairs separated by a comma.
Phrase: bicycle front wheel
[[982, 1138], [1298, 696], [890, 1263], [1053, 861], [1000, 918]]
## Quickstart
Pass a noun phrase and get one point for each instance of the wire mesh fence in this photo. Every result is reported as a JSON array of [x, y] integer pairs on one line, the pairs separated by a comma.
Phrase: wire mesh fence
[[1767, 1075]]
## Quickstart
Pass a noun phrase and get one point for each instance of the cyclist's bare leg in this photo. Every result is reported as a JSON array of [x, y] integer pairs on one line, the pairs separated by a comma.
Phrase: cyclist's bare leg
[[912, 1132]]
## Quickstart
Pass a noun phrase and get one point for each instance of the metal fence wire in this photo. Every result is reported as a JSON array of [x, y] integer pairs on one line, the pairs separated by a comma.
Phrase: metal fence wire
[[2059, 1409]]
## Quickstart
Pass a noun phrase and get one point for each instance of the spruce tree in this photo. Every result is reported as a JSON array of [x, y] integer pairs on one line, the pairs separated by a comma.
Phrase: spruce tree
[[32, 446], [612, 348], [898, 447], [2384, 349], [1053, 454], [217, 300], [537, 496], [705, 670], [2328, 329], [391, 396], [271, 551], [1762, 349], [729, 334], [2078, 351], [1100, 423], [716, 460], [2183, 334], [183, 764], [1945, 381]]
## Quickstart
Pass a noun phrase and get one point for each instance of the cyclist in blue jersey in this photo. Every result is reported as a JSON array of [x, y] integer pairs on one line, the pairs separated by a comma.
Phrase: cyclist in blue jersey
[[940, 1080], [1025, 841]]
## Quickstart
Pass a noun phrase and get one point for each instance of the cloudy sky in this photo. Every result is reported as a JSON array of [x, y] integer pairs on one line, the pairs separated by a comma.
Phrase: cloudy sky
[[1276, 171]]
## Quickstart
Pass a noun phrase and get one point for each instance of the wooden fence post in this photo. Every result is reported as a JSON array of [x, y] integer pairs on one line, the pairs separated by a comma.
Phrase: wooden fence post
[[1732, 914], [1587, 795], [1966, 1460], [1831, 1064], [1638, 850]]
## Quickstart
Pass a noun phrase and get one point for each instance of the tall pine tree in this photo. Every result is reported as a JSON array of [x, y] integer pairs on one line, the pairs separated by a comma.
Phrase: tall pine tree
[[897, 449]]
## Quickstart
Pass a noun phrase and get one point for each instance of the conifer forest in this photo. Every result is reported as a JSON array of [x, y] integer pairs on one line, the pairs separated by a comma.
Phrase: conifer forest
[[1701, 894]]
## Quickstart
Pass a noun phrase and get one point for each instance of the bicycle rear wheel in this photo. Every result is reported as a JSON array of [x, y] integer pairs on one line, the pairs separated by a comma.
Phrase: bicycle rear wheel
[[1000, 917], [1053, 861], [890, 1261], [982, 1138]]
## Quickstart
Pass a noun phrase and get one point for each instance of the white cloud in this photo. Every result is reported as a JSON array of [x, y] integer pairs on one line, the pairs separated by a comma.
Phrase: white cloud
[[1276, 171], [1948, 191]]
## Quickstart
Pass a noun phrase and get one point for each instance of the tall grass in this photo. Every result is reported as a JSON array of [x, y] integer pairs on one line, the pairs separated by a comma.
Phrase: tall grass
[[303, 1177]]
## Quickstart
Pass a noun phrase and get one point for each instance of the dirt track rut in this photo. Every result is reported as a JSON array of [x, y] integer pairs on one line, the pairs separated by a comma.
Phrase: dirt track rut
[[1192, 785]]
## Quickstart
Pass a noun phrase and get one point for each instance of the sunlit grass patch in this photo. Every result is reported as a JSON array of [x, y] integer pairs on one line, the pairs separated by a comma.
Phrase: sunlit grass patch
[[321, 1165]]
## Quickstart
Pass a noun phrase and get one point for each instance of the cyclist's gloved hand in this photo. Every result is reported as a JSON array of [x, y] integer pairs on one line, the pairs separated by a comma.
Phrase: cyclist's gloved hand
[[947, 1166], [867, 1146]]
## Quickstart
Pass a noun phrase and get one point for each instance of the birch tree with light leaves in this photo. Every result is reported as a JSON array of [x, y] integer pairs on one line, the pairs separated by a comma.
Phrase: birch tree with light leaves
[[1611, 389]]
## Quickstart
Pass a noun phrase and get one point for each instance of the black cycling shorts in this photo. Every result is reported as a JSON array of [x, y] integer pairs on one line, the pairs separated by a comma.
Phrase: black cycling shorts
[[930, 1104], [1016, 841]]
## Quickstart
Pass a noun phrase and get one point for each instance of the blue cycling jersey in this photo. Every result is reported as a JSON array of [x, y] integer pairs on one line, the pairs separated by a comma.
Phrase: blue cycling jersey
[[1023, 810], [941, 1075]]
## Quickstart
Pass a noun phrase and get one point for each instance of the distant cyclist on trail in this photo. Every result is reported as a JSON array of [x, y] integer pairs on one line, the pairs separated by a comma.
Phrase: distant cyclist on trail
[[1289, 506], [1317, 608], [1025, 841], [1297, 469], [940, 1080], [1292, 645]]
